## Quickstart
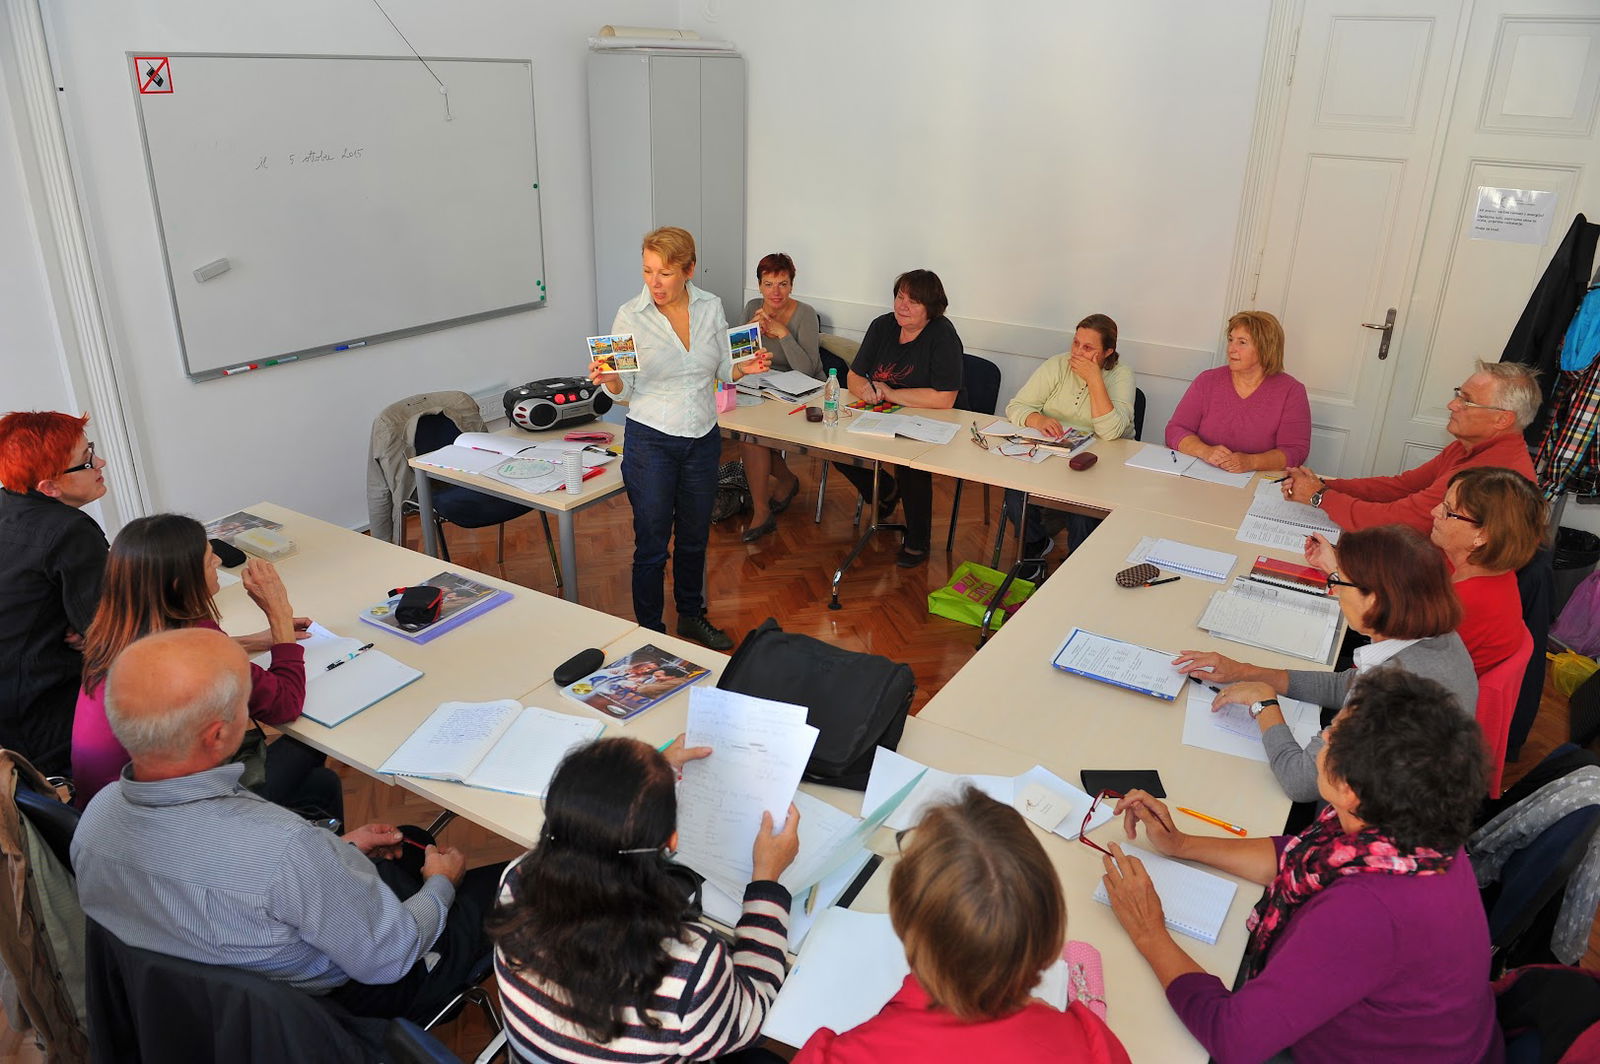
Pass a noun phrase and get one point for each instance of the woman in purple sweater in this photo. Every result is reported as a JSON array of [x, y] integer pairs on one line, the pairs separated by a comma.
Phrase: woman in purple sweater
[[1370, 942], [1248, 414], [162, 574]]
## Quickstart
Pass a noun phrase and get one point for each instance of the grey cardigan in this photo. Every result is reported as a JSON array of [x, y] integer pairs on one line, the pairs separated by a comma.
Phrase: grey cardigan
[[798, 350], [1443, 658]]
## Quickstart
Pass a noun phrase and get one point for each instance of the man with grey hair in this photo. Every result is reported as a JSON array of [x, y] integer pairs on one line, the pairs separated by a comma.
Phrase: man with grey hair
[[1487, 417], [178, 858]]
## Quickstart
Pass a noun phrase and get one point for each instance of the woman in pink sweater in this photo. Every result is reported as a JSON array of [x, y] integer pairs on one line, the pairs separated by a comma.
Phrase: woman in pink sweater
[[161, 574], [1248, 414]]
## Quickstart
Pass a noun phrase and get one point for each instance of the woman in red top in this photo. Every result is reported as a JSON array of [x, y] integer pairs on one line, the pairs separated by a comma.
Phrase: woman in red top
[[979, 909], [162, 574], [1490, 524]]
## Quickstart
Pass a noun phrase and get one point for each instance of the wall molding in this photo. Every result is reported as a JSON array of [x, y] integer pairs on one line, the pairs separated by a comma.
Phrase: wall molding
[[79, 313]]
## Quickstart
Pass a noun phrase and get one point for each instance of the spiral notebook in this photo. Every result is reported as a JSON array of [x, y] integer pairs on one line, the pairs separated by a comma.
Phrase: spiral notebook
[[1195, 902]]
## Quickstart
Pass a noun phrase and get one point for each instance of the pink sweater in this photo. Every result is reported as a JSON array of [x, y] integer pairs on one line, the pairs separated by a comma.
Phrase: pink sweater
[[277, 695], [1276, 416]]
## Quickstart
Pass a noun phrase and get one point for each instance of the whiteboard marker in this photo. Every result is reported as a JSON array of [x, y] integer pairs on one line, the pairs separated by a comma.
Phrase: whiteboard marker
[[238, 369], [348, 347]]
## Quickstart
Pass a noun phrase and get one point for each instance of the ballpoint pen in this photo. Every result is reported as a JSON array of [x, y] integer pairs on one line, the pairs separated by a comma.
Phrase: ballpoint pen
[[1223, 824], [353, 655], [1163, 580], [1202, 683]]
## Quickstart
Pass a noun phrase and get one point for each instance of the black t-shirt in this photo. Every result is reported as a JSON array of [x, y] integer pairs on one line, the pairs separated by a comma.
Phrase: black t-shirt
[[932, 360]]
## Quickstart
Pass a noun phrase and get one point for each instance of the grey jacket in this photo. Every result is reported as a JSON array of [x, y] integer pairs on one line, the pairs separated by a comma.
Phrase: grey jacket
[[390, 480], [1499, 840], [1443, 658]]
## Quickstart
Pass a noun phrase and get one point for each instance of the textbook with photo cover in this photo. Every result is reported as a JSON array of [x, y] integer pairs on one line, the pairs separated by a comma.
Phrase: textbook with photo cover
[[225, 528], [744, 341], [617, 353], [464, 599], [632, 684]]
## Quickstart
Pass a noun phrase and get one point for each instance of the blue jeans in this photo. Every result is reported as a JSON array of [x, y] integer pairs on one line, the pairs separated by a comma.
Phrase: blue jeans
[[672, 484]]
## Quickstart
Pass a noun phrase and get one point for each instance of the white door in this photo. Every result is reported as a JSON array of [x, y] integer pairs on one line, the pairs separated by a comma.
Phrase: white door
[[1369, 85], [1524, 117]]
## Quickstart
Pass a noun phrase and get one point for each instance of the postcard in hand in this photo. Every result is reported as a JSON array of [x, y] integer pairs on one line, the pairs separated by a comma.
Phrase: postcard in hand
[[617, 352], [632, 684], [744, 341]]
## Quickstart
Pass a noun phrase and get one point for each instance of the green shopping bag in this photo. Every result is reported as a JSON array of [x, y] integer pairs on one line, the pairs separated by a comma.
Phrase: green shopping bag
[[969, 592]]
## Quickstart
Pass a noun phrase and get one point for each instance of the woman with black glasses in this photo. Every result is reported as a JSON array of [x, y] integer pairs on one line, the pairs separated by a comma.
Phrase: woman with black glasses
[[597, 954], [1392, 586], [52, 558]]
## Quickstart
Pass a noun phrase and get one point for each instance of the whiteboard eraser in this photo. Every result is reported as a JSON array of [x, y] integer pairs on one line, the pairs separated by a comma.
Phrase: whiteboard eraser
[[212, 269]]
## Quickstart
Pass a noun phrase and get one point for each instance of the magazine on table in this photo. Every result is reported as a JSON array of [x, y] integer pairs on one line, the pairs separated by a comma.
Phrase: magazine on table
[[635, 682], [225, 528], [464, 599]]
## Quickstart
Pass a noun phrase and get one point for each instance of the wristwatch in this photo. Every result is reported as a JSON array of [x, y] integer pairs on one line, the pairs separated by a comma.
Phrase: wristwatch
[[1316, 497], [1256, 708]]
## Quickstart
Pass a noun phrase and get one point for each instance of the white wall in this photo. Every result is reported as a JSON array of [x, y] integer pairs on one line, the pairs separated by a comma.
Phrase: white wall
[[296, 434], [1048, 158]]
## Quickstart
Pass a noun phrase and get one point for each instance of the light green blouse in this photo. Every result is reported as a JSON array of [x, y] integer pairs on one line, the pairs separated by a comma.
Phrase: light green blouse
[[1057, 392]]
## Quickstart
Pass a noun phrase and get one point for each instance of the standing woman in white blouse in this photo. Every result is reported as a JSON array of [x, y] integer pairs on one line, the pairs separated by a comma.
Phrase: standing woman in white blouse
[[671, 444]]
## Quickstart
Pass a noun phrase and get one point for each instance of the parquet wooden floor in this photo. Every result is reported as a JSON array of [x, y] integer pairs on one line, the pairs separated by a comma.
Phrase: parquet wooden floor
[[786, 576]]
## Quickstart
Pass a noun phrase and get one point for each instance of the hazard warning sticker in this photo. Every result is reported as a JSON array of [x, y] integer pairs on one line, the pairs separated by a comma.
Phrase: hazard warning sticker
[[155, 74]]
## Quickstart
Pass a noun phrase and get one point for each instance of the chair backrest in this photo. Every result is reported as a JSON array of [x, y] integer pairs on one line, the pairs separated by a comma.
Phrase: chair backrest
[[1536, 584], [407, 1043], [1138, 413], [1497, 700], [1522, 909], [149, 1007], [433, 432], [980, 384], [53, 819]]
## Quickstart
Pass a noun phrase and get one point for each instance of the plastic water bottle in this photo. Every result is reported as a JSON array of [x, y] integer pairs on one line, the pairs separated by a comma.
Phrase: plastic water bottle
[[830, 399], [574, 471]]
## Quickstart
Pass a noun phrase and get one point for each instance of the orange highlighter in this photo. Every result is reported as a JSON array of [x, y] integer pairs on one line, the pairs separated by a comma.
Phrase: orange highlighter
[[1223, 824]]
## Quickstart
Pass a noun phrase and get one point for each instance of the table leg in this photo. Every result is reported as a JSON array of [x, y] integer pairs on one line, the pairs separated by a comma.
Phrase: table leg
[[430, 538], [1011, 574], [861, 544], [569, 556]]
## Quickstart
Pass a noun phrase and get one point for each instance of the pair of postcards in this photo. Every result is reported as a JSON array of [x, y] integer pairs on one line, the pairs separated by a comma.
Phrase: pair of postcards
[[620, 354]]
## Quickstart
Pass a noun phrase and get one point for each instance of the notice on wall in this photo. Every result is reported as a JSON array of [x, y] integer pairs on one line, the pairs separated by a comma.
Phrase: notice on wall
[[1513, 215]]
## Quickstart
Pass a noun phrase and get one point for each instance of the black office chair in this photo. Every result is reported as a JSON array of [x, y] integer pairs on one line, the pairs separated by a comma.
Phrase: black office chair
[[1138, 414], [980, 392], [465, 507], [407, 1043], [149, 1008]]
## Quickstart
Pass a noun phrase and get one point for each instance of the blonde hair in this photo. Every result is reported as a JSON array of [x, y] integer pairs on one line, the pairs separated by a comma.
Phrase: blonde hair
[[674, 245], [1267, 333], [978, 907]]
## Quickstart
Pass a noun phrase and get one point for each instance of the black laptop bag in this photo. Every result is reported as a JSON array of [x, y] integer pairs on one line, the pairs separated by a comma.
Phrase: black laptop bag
[[855, 701]]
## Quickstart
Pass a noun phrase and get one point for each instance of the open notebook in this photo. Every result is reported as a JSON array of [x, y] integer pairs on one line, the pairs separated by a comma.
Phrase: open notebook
[[499, 746], [345, 676], [1195, 902]]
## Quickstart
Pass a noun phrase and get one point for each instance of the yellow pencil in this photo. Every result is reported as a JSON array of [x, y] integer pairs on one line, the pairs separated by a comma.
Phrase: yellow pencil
[[1223, 824]]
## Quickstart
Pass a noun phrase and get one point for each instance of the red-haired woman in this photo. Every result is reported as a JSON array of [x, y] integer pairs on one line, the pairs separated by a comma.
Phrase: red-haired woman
[[1392, 586], [789, 330], [162, 574], [52, 555]]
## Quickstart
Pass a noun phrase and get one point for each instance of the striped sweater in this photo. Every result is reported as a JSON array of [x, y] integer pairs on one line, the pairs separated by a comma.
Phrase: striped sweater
[[714, 1000]]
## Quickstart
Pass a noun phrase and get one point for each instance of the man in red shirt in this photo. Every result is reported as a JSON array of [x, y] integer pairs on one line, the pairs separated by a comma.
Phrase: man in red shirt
[[1487, 417]]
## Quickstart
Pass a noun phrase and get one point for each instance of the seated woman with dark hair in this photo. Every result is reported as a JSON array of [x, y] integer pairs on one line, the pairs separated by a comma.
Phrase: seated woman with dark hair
[[597, 954], [1393, 587], [978, 906], [911, 356], [162, 574], [1370, 943]]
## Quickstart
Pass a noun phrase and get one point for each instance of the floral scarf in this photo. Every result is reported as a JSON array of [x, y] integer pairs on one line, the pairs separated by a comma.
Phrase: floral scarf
[[1313, 859]]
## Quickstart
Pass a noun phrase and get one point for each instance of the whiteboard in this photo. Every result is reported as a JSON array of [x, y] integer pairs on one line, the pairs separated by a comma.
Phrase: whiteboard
[[337, 201]]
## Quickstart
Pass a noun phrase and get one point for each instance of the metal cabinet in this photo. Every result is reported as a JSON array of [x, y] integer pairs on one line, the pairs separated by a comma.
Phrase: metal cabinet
[[667, 145]]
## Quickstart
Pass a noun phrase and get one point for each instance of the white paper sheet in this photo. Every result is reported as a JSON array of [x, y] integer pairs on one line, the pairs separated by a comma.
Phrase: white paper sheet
[[1276, 618], [452, 740], [1291, 539], [1195, 902], [726, 909], [1270, 505], [462, 459], [1226, 733], [891, 771], [527, 755], [1199, 470], [760, 748], [1118, 663], [1159, 459]]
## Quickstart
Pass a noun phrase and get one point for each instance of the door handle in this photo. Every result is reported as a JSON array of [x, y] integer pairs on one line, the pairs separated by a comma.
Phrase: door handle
[[1387, 328]]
